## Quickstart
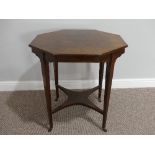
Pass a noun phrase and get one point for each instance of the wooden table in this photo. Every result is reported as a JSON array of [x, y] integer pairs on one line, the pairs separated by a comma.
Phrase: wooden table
[[74, 46]]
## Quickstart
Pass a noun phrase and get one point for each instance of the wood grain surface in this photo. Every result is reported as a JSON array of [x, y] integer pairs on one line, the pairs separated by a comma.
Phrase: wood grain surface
[[78, 42]]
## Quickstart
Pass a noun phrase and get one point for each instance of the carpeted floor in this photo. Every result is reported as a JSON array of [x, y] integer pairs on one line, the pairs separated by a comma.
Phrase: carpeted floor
[[131, 111]]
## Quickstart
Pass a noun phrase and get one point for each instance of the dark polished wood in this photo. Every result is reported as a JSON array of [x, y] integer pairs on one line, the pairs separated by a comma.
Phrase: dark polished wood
[[78, 46], [46, 81], [55, 66], [78, 98], [108, 82], [101, 70]]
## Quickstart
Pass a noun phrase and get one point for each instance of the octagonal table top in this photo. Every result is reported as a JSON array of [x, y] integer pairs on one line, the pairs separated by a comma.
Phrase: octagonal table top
[[78, 42]]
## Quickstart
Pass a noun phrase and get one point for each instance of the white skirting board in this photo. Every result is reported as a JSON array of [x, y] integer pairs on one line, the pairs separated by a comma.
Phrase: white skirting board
[[75, 84]]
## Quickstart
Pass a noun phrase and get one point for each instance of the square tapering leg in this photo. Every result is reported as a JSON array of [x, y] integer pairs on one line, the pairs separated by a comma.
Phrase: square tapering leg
[[108, 83], [55, 66], [101, 70], [46, 81]]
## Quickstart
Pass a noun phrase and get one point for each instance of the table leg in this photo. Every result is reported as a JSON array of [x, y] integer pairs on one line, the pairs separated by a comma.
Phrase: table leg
[[108, 82], [46, 80], [101, 70], [55, 66]]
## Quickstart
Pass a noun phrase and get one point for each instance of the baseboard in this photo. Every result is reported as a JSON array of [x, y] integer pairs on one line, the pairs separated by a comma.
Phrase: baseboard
[[75, 84]]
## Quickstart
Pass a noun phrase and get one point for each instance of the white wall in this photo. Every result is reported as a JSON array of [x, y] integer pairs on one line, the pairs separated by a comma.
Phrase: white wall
[[17, 63]]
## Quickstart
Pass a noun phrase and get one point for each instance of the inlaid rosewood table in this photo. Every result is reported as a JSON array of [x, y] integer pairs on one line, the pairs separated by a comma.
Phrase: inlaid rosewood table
[[77, 46]]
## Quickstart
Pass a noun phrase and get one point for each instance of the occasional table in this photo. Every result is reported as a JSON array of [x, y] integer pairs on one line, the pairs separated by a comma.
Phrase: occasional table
[[78, 46]]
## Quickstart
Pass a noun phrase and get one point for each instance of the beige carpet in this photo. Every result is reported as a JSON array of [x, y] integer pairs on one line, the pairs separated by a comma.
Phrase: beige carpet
[[131, 111]]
